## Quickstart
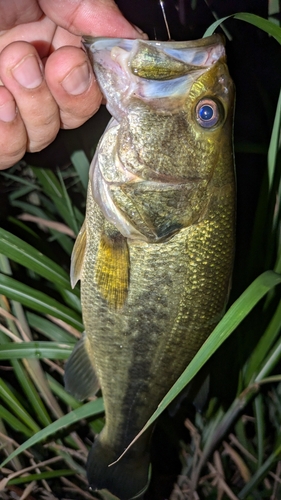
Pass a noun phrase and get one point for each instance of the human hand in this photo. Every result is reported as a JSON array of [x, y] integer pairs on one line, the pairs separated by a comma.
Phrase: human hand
[[47, 81]]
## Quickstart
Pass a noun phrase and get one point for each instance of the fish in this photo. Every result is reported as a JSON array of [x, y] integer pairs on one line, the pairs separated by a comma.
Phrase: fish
[[155, 252]]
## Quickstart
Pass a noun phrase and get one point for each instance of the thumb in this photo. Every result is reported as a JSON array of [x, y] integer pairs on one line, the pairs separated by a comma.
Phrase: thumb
[[90, 17]]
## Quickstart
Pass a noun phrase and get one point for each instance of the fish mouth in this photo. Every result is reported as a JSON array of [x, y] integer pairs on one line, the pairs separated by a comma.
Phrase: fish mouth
[[150, 70], [193, 53]]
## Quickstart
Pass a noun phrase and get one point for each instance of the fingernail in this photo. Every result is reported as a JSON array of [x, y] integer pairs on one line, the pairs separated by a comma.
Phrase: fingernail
[[28, 73], [77, 81], [8, 111], [142, 33]]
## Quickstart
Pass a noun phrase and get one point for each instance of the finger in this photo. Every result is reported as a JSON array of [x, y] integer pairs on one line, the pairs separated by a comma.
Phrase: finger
[[39, 33], [73, 85], [21, 72], [12, 131], [98, 18], [14, 12]]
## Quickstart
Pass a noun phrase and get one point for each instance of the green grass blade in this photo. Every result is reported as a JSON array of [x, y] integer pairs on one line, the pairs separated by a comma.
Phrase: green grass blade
[[31, 209], [260, 427], [61, 393], [26, 255], [58, 195], [97, 425], [269, 362], [261, 23], [264, 345], [26, 185], [260, 473], [65, 241], [38, 349], [88, 410], [5, 266], [212, 28], [9, 398], [38, 301], [31, 393], [71, 215], [23, 227], [236, 313], [238, 406], [81, 165], [40, 476], [18, 193], [72, 298], [274, 143], [14, 422], [257, 21], [48, 328], [8, 446]]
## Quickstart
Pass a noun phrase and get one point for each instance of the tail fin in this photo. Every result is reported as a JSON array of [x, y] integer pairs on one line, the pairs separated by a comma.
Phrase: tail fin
[[127, 479]]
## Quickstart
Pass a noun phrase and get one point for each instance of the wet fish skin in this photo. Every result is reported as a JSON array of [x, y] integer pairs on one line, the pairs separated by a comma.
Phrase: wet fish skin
[[155, 252]]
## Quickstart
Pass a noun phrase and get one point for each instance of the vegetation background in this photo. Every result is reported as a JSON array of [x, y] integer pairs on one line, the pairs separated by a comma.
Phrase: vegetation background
[[232, 448]]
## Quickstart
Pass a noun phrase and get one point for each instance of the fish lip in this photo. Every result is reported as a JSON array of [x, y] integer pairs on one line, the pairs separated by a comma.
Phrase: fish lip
[[214, 39]]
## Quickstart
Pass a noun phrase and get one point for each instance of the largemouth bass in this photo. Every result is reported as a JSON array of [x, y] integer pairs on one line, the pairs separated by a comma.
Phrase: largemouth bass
[[155, 252]]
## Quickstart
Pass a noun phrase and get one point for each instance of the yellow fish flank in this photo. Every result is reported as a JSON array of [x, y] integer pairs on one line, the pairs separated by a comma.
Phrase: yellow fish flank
[[155, 252]]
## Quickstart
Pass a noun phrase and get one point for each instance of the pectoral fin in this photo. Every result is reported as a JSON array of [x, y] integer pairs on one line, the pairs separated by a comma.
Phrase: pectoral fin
[[112, 269], [80, 378], [77, 257]]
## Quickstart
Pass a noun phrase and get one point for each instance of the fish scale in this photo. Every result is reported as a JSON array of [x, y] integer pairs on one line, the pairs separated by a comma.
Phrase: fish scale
[[155, 252]]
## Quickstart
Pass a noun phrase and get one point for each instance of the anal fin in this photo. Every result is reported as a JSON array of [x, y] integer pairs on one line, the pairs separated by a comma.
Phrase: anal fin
[[77, 257], [112, 269], [80, 378]]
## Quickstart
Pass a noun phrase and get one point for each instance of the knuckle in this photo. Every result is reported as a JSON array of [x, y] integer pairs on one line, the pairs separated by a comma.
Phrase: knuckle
[[12, 142], [12, 155]]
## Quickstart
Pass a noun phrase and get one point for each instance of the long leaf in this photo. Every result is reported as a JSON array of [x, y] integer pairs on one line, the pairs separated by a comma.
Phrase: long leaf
[[58, 195], [9, 398], [264, 345], [88, 410], [48, 328], [81, 165], [14, 422], [41, 476], [34, 399], [265, 25], [26, 255], [38, 301], [261, 473], [274, 143], [39, 349]]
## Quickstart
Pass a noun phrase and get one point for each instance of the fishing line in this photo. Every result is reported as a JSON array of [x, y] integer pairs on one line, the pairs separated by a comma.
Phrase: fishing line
[[165, 19]]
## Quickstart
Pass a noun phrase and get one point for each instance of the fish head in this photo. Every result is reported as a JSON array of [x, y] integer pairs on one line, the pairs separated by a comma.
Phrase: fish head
[[169, 144], [152, 82]]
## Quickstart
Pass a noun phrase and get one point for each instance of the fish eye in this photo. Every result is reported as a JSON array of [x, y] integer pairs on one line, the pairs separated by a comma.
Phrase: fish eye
[[207, 113]]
